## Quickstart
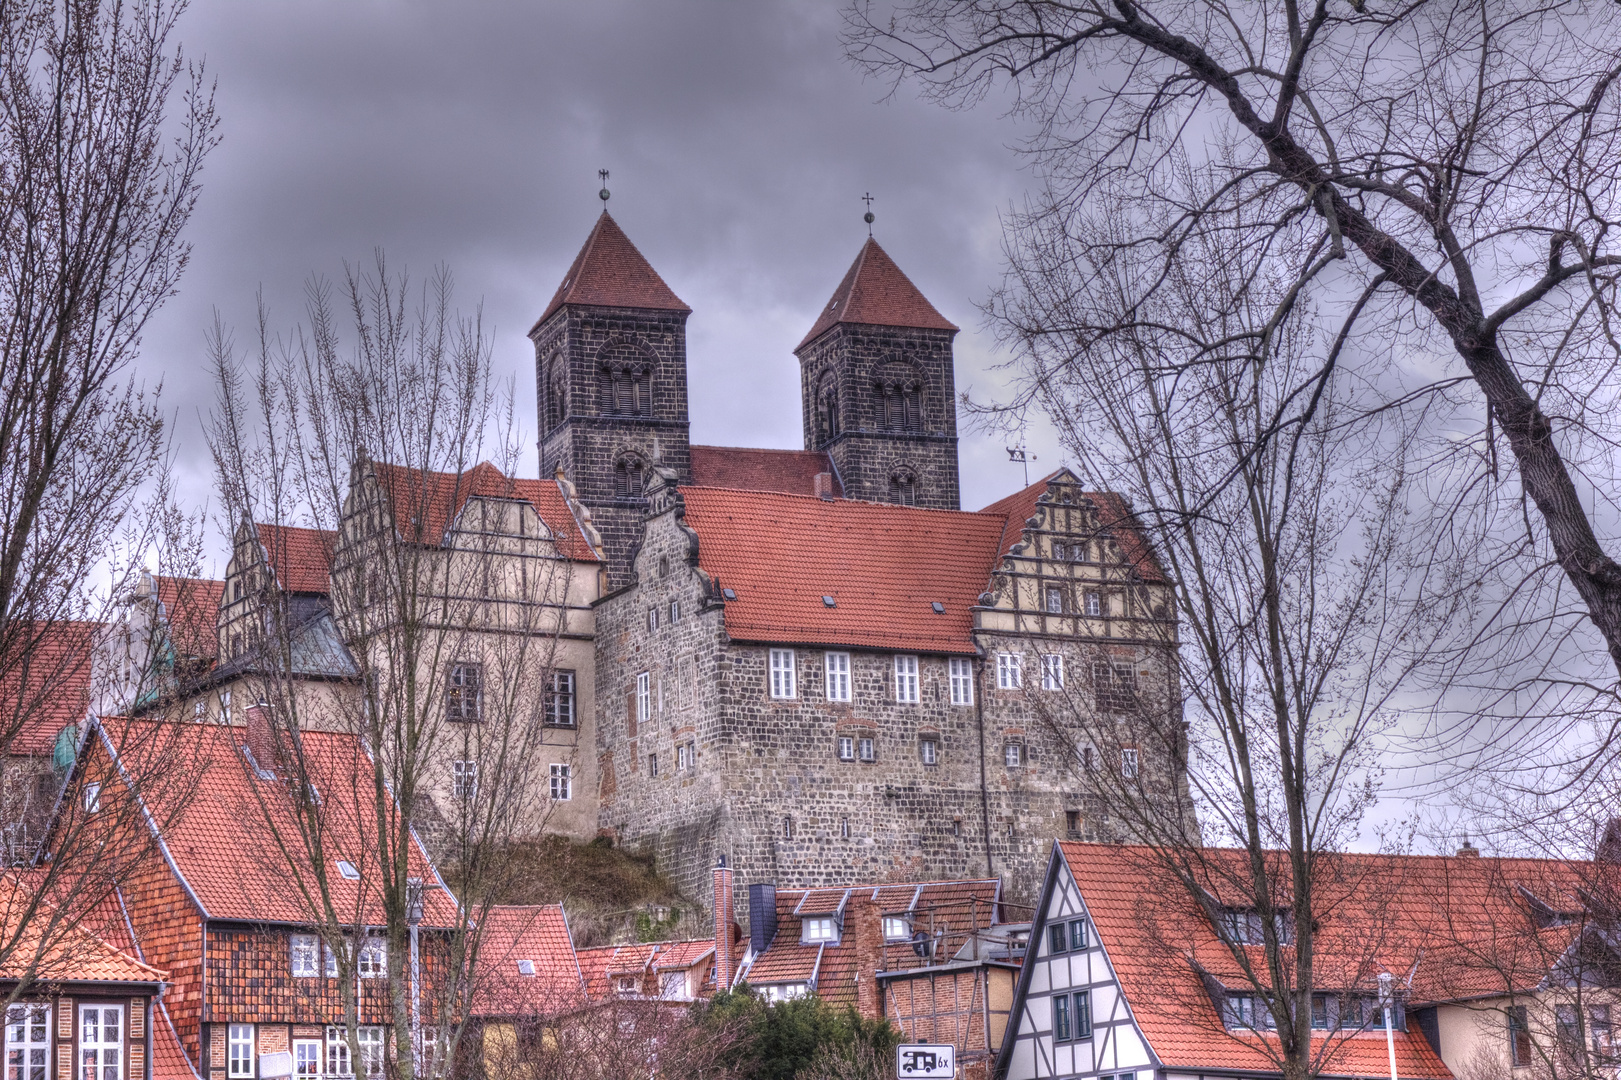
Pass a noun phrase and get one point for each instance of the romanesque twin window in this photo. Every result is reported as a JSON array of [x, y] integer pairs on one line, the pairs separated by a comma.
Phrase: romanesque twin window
[[628, 478], [903, 489], [625, 391], [900, 406]]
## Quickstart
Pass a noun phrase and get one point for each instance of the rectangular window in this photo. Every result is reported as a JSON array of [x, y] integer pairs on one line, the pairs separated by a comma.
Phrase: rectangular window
[[838, 676], [372, 1049], [847, 748], [1052, 672], [675, 612], [644, 697], [373, 959], [1080, 551], [1077, 934], [683, 757], [820, 928], [239, 1050], [306, 956], [464, 779], [225, 706], [652, 618], [1241, 1012], [561, 783], [337, 1052], [896, 928], [101, 1042], [464, 692], [1057, 938], [1083, 1014], [1013, 755], [782, 673], [1061, 1029], [1054, 600], [1094, 603], [1519, 1036], [906, 680], [652, 766], [306, 1058], [962, 680], [1319, 1012], [1009, 671], [1128, 764], [1566, 1028], [866, 749], [28, 1042], [1598, 1022], [929, 751], [560, 700], [92, 798]]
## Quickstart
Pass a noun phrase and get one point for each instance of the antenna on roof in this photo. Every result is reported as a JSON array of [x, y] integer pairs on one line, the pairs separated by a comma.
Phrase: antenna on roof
[[602, 174], [1017, 454], [867, 217]]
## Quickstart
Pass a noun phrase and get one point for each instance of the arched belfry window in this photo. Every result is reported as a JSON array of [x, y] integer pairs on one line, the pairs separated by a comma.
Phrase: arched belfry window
[[628, 478], [903, 488], [625, 390], [900, 405], [555, 408], [827, 410]]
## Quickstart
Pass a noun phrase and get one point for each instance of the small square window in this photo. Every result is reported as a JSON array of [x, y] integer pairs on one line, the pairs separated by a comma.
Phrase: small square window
[[906, 682], [896, 928], [838, 676], [867, 750], [929, 751], [526, 967], [1013, 755], [819, 928], [1009, 671], [847, 748], [347, 870], [782, 673], [961, 672]]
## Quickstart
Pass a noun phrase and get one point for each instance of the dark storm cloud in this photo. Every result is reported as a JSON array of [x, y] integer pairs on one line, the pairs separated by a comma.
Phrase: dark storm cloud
[[470, 134]]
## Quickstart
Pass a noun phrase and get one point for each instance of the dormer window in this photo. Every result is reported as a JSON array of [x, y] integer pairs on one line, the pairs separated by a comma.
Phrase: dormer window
[[1244, 926], [896, 928], [819, 930]]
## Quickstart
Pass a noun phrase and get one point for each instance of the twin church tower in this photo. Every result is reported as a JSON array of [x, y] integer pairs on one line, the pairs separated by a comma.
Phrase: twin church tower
[[877, 393]]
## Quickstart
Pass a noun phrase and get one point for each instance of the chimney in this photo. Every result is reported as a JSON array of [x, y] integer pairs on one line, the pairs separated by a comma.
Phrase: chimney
[[723, 926], [762, 917], [824, 485], [261, 740], [862, 922]]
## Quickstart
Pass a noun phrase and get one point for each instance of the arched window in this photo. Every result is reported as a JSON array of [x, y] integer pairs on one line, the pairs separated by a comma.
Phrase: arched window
[[625, 391], [827, 410], [903, 488], [628, 478], [555, 408], [900, 406]]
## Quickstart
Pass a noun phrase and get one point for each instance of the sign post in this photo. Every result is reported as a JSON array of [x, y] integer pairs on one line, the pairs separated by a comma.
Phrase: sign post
[[926, 1061]]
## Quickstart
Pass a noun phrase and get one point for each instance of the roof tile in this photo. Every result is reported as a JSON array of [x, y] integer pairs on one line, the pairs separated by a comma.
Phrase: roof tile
[[875, 292], [610, 272], [792, 472]]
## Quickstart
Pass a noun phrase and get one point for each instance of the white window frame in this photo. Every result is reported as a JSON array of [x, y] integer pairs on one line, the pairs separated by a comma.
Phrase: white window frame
[[961, 672], [1094, 603], [562, 779], [684, 757], [25, 1020], [782, 674], [1013, 755], [866, 749], [928, 750], [1130, 763], [464, 780], [1052, 671], [337, 1052], [816, 929], [109, 1061], [838, 676], [896, 928], [906, 679], [92, 798], [372, 960], [1009, 671], [1052, 599], [225, 705], [306, 956], [300, 1048], [644, 696], [847, 747], [675, 611], [239, 1055]]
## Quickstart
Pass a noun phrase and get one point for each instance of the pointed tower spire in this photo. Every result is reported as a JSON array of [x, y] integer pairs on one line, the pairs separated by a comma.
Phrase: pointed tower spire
[[875, 291], [610, 272]]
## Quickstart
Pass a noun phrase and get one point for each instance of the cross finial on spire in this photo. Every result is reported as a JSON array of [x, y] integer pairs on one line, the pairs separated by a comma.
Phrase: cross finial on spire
[[867, 217], [602, 174]]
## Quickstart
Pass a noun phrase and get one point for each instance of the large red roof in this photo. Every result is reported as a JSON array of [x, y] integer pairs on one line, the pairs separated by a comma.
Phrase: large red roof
[[875, 292], [301, 559], [425, 504], [222, 823], [610, 272], [54, 945], [517, 939], [884, 566], [1413, 916], [47, 686], [792, 472], [191, 607]]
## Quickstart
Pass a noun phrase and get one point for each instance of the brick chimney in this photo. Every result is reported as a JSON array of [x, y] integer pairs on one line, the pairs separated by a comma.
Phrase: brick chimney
[[865, 928], [724, 925], [261, 740], [824, 485]]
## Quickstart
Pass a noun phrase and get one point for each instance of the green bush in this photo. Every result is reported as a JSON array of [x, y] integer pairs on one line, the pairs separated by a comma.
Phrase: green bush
[[790, 1038]]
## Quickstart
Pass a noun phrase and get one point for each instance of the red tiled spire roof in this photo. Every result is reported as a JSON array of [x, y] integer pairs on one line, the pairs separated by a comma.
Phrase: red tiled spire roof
[[875, 292], [610, 272]]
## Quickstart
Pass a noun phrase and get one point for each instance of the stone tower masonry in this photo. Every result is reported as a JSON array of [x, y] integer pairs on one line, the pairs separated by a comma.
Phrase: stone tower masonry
[[877, 388], [611, 385]]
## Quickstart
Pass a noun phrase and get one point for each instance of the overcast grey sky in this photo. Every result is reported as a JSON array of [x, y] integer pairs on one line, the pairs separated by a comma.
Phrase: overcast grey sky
[[470, 133]]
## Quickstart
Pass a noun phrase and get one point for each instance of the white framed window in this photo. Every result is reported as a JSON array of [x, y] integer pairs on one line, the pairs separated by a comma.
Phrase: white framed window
[[961, 671], [652, 618], [101, 1042], [306, 1058], [562, 783], [560, 700], [28, 1042], [866, 750], [818, 928], [464, 692], [1128, 763], [1053, 600], [684, 757], [306, 956], [906, 680], [1009, 671], [464, 779], [847, 748], [370, 1038], [1052, 672], [896, 928], [928, 751], [372, 1049], [675, 611], [337, 1052], [225, 706], [373, 959], [92, 798], [238, 1050], [332, 958], [1094, 603], [1013, 755], [644, 696], [782, 673], [838, 676], [348, 870], [673, 985]]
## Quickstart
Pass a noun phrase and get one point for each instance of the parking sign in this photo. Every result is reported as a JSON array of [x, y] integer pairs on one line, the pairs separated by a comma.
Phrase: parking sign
[[925, 1061]]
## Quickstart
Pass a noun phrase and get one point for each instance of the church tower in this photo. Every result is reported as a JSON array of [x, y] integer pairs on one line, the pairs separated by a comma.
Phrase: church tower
[[611, 385], [877, 388]]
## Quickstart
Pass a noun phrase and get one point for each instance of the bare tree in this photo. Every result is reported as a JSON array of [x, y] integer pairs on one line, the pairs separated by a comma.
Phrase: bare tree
[[1437, 175], [448, 592]]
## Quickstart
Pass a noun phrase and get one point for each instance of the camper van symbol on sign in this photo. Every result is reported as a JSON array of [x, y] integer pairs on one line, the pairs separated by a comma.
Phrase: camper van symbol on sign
[[923, 1061]]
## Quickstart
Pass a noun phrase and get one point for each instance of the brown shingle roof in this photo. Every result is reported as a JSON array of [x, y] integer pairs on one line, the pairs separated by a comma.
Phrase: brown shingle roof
[[875, 292], [792, 472], [610, 272]]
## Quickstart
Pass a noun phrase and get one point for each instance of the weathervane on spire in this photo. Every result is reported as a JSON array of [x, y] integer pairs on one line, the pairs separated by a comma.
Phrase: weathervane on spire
[[602, 174], [867, 217]]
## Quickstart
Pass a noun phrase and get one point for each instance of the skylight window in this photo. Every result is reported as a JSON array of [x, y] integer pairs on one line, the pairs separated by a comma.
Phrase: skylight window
[[347, 869], [828, 601], [730, 594], [526, 967], [939, 608]]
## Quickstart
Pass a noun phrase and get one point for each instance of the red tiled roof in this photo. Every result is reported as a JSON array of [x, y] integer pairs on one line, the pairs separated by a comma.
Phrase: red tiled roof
[[610, 272], [301, 559], [884, 566], [1114, 518], [221, 822], [537, 934], [792, 472], [1378, 913], [425, 504], [191, 607], [169, 1060], [47, 686], [64, 948], [875, 292]]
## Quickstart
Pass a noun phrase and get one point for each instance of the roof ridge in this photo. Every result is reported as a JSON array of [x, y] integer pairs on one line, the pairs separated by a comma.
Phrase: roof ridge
[[837, 502]]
